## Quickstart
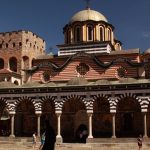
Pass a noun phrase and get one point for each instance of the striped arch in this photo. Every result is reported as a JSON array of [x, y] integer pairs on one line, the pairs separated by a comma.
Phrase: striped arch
[[20, 99], [99, 96], [45, 98], [72, 96], [128, 95]]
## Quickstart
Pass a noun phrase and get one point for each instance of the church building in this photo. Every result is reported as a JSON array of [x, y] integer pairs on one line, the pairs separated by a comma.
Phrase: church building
[[92, 83]]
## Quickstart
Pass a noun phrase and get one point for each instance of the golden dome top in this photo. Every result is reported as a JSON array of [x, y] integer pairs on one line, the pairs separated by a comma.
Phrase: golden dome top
[[88, 14]]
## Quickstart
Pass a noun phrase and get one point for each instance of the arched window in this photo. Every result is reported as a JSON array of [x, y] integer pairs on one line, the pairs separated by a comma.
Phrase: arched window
[[14, 44], [13, 64], [25, 62], [1, 63], [6, 45], [90, 33], [109, 34], [77, 34], [102, 33]]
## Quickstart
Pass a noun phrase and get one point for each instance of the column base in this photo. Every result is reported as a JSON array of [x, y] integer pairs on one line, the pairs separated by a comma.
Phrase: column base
[[145, 136], [12, 136], [113, 137], [59, 139], [89, 139]]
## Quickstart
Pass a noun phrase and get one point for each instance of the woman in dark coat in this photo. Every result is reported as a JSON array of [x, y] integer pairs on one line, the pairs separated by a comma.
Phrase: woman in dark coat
[[50, 137]]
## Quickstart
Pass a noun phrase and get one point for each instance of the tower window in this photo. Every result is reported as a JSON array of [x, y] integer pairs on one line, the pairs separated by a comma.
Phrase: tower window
[[20, 44], [101, 34], [14, 44], [6, 45], [109, 34], [90, 32], [77, 34], [69, 36]]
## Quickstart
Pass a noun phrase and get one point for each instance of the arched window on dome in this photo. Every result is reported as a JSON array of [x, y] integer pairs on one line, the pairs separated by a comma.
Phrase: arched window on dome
[[77, 34], [90, 33], [109, 34], [102, 33]]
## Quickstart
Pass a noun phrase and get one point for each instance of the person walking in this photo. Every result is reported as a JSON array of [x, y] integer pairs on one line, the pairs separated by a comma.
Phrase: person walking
[[50, 137], [42, 141], [139, 141], [34, 140]]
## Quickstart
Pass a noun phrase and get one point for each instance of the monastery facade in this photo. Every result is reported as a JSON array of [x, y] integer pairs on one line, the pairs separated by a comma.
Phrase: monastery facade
[[91, 84]]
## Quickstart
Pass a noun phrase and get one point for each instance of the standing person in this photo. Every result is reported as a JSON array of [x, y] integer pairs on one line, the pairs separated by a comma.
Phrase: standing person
[[42, 141], [34, 140], [50, 137], [139, 141]]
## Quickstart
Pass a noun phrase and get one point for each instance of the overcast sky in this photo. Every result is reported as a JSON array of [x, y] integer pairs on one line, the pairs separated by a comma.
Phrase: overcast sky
[[46, 18]]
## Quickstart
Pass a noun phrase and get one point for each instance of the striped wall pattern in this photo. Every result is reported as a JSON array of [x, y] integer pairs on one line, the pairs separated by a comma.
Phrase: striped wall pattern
[[59, 101], [95, 72]]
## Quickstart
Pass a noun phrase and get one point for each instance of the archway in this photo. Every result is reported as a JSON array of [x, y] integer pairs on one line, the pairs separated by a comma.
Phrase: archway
[[48, 112], [73, 115], [25, 62], [4, 120], [129, 119], [13, 64], [25, 119], [102, 119]]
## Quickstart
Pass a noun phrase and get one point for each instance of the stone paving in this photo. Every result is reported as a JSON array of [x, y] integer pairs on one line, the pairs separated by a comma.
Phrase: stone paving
[[101, 144]]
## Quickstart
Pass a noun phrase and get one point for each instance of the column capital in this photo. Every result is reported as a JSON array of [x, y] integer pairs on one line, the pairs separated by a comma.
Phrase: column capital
[[38, 112], [58, 112], [144, 111], [90, 112], [113, 112]]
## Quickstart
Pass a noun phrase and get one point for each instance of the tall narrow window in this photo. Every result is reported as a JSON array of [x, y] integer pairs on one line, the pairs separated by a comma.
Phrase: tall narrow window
[[1, 63], [14, 44], [90, 32], [69, 36], [109, 35], [101, 34], [77, 34], [13, 64], [6, 45]]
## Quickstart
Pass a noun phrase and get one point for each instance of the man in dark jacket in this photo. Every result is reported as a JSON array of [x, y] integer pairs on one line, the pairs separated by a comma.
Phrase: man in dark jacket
[[50, 137]]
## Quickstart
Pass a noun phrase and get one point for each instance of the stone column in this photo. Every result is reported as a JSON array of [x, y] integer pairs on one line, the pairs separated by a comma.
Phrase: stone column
[[58, 137], [90, 124], [113, 125], [12, 115], [38, 113], [145, 125]]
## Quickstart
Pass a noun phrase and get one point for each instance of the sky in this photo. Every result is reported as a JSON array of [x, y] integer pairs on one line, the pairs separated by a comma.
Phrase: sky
[[46, 18]]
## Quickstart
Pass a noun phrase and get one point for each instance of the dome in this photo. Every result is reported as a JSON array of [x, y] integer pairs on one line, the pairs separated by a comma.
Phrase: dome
[[88, 14]]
